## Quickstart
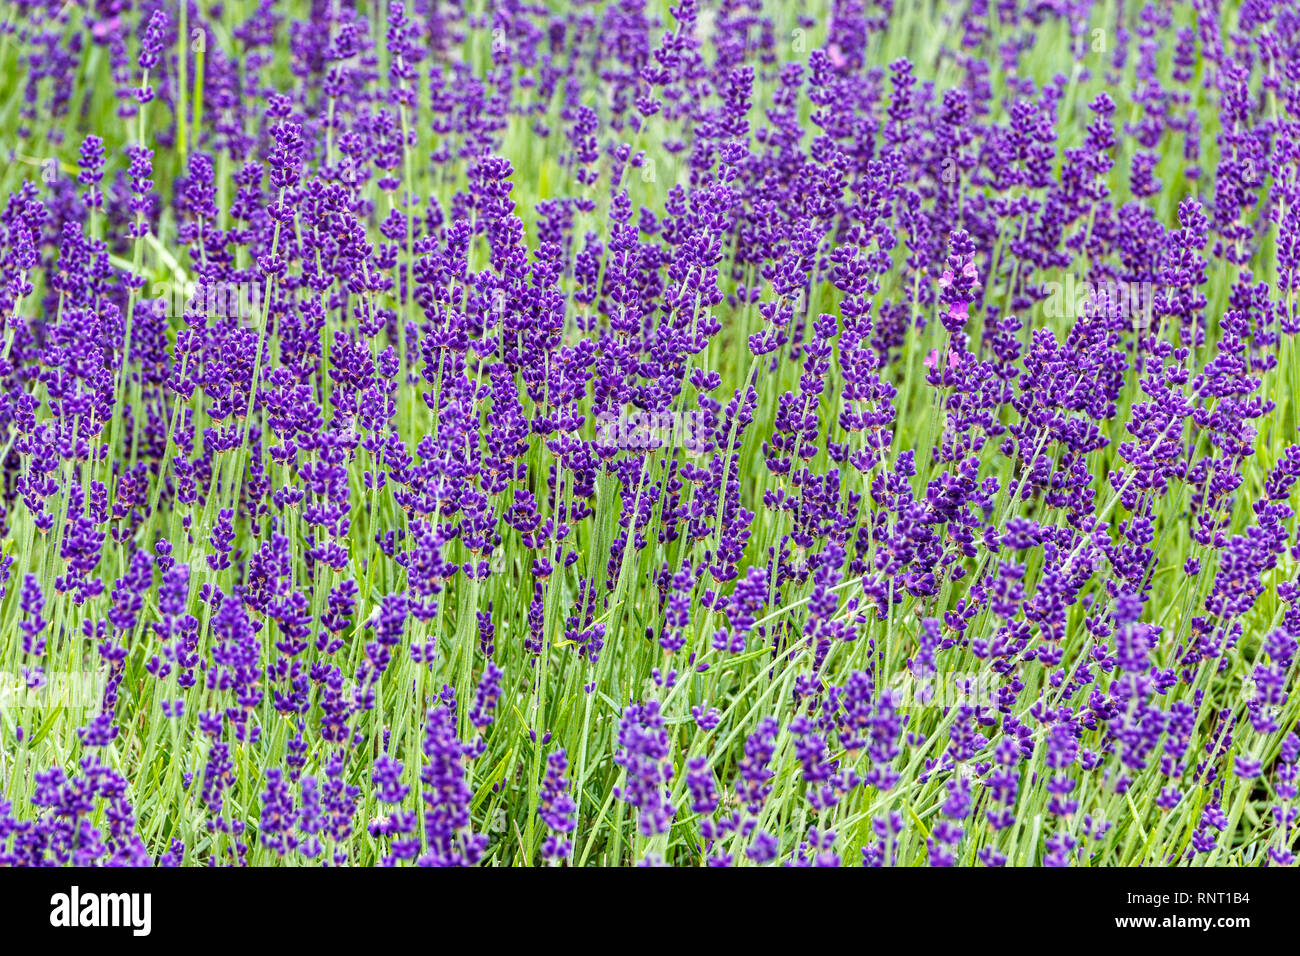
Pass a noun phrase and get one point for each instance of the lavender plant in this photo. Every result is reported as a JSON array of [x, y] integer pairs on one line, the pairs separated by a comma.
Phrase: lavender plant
[[689, 432]]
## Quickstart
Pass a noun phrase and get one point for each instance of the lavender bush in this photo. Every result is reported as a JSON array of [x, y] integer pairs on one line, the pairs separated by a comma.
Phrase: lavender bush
[[699, 432]]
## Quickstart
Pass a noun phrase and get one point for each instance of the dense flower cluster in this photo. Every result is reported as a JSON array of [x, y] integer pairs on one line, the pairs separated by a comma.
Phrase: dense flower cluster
[[706, 432]]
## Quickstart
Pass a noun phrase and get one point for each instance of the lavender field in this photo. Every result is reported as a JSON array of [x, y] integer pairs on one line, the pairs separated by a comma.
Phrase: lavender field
[[649, 432]]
